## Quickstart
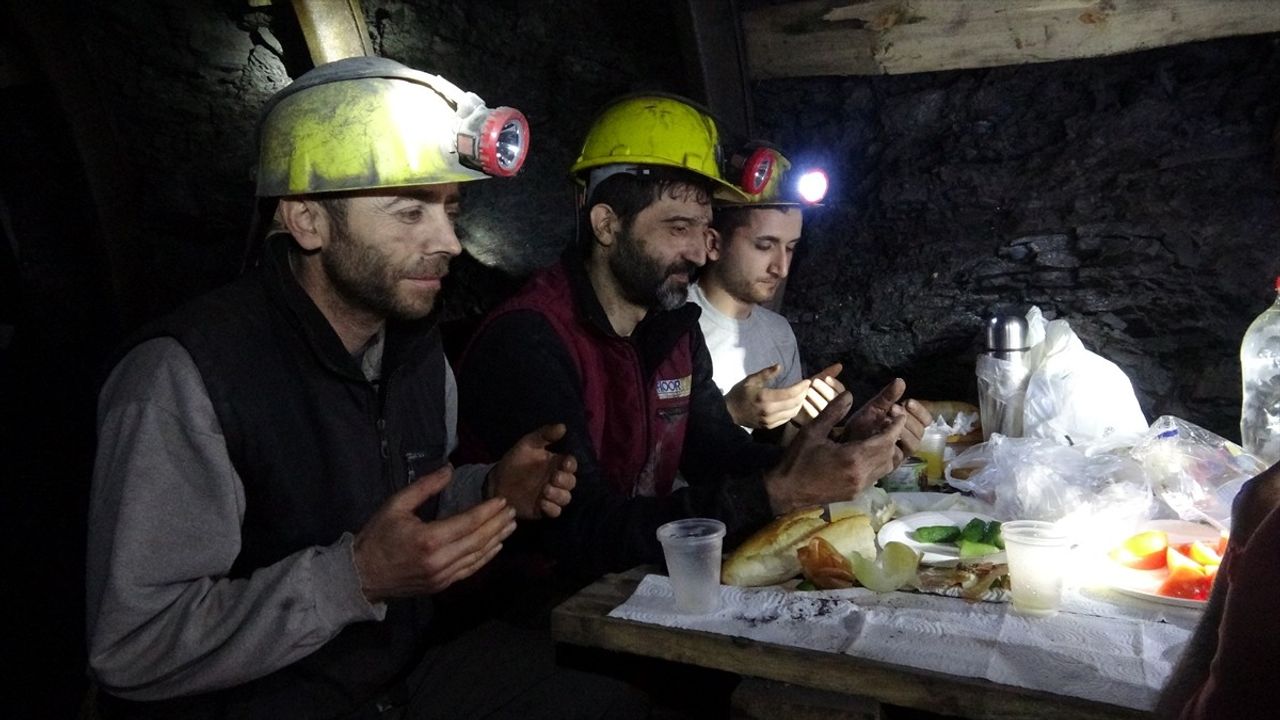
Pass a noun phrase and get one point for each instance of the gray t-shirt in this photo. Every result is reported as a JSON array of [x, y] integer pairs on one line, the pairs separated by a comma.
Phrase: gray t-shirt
[[163, 618], [741, 347]]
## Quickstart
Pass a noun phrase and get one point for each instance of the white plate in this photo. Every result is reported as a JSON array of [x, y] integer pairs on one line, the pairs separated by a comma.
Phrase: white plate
[[933, 553], [1144, 583]]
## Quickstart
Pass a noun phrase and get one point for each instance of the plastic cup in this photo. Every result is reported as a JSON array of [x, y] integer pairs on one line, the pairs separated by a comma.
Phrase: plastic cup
[[933, 444], [692, 549], [1037, 553]]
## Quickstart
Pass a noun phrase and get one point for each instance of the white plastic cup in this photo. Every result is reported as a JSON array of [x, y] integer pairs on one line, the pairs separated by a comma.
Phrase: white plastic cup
[[692, 548], [1037, 553]]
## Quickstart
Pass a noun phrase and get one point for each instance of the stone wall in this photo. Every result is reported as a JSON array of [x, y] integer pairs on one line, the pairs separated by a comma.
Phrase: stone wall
[[1135, 196]]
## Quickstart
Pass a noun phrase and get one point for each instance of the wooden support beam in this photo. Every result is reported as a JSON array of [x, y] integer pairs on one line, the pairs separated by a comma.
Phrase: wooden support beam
[[891, 37], [334, 29]]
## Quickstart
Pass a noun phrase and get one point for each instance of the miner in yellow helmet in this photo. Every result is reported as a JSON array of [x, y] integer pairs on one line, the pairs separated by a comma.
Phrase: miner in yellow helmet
[[272, 501], [608, 345], [753, 349]]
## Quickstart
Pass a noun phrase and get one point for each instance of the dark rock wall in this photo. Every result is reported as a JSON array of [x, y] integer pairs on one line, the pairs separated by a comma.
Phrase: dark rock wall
[[1135, 196]]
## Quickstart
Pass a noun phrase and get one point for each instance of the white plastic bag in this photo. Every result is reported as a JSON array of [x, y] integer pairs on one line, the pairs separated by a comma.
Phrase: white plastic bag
[[1039, 479], [1195, 472], [1075, 396]]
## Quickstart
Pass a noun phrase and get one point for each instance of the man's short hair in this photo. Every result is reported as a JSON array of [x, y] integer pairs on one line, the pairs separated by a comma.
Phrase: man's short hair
[[629, 194], [727, 219]]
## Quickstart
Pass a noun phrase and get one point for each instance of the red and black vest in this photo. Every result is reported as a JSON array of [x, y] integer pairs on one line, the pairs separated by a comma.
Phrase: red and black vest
[[636, 420]]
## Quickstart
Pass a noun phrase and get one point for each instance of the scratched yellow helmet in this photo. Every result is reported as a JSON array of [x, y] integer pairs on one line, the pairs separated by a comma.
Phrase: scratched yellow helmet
[[652, 129], [370, 122]]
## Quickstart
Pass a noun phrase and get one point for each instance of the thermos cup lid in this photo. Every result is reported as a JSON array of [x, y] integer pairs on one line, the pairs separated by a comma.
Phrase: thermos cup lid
[[1007, 332]]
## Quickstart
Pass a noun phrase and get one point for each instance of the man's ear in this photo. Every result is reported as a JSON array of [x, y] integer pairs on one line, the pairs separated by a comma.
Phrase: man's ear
[[604, 224], [715, 244], [305, 222]]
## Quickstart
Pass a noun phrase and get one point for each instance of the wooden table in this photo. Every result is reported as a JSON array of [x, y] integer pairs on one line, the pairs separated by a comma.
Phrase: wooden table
[[583, 620]]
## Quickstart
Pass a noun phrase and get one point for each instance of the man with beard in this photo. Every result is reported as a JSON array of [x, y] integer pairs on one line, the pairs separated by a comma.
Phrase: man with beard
[[753, 350], [605, 341], [272, 503]]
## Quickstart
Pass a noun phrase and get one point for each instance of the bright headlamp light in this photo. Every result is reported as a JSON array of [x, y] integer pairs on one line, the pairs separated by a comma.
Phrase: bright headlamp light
[[811, 186]]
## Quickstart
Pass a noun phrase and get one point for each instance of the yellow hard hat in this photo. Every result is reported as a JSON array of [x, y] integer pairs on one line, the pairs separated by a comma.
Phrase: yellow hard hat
[[652, 129], [370, 122]]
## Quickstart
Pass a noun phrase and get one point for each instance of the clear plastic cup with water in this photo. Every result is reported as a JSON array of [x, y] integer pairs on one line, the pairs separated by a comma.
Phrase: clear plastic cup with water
[[1037, 553], [692, 548]]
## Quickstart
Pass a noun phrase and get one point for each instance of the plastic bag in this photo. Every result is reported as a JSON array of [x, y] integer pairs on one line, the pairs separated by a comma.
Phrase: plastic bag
[[1195, 472], [1039, 479], [1073, 395]]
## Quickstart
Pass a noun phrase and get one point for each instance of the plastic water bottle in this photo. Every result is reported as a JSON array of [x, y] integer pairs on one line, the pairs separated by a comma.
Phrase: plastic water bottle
[[1260, 371]]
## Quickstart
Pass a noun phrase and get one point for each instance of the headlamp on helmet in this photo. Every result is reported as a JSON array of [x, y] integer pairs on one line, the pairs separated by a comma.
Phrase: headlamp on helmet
[[766, 177], [494, 142]]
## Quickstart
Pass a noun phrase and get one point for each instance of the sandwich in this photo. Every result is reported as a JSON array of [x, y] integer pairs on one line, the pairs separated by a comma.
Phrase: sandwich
[[771, 555]]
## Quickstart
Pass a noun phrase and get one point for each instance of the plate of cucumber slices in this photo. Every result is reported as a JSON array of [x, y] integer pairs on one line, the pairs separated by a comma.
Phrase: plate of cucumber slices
[[947, 537]]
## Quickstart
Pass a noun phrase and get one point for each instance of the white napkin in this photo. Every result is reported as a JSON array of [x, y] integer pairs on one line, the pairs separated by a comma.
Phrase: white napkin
[[1101, 647]]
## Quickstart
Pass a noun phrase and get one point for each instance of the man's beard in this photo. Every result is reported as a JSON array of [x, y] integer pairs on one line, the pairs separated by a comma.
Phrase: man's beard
[[365, 278], [748, 290], [645, 283]]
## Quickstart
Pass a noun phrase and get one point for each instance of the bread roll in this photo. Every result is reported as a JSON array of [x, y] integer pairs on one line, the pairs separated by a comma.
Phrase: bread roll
[[947, 410], [850, 535], [769, 556]]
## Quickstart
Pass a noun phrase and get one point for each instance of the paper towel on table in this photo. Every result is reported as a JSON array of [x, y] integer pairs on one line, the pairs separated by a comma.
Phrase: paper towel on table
[[1118, 653]]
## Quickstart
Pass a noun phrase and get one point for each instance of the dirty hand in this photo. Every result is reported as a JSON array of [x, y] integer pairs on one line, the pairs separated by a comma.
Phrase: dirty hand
[[397, 554], [534, 480], [816, 469], [883, 410]]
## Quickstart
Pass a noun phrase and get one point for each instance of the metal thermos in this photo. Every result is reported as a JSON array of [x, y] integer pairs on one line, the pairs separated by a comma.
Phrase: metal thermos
[[1002, 376]]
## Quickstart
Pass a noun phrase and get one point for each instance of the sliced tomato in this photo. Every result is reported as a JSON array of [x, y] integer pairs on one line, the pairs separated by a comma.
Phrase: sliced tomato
[[1144, 551], [1186, 585], [1203, 554]]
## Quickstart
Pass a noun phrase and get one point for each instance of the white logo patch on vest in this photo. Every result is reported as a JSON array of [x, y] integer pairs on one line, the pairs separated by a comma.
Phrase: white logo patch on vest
[[675, 387]]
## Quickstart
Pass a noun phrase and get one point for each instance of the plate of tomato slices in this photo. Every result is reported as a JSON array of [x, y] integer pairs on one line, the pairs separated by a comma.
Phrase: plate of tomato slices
[[1168, 561]]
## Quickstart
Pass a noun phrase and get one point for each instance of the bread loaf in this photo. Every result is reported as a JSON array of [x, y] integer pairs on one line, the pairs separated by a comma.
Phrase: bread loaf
[[769, 557]]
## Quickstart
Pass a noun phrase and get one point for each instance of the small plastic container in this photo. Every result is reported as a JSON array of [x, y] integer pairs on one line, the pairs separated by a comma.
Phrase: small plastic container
[[907, 477], [932, 450]]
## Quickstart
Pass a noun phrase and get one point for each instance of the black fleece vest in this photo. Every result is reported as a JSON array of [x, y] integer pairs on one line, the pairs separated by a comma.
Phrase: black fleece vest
[[319, 448]]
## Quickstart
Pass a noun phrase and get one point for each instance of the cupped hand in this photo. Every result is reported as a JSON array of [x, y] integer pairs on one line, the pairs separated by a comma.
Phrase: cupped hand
[[397, 554], [534, 480], [816, 469], [883, 410], [823, 388], [753, 404]]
